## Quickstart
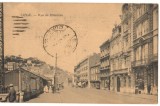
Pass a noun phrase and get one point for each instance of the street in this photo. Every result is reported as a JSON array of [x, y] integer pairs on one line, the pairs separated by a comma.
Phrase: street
[[86, 95]]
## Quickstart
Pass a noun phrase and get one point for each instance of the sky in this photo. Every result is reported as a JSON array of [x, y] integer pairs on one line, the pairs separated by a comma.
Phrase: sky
[[92, 24]]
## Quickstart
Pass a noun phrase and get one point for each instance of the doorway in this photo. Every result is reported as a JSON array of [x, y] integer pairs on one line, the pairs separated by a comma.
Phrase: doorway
[[118, 84]]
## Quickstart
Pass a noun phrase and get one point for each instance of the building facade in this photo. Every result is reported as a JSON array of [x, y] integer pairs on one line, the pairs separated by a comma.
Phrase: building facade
[[145, 46], [127, 80], [31, 84], [118, 63], [82, 69], [11, 66], [134, 50], [95, 76], [105, 65]]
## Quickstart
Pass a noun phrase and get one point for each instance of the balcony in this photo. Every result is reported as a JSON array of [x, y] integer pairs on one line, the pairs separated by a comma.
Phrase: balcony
[[125, 33], [120, 71], [142, 39], [104, 75], [105, 67], [139, 19], [105, 56], [95, 80], [142, 62]]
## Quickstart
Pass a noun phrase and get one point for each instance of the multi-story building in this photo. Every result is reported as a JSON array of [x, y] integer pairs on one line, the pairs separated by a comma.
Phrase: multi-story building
[[105, 65], [145, 44], [26, 81], [95, 76], [127, 84], [11, 66], [116, 60], [155, 50], [82, 69]]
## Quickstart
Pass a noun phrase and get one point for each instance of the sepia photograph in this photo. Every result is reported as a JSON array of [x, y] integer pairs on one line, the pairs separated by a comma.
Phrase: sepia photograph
[[84, 53]]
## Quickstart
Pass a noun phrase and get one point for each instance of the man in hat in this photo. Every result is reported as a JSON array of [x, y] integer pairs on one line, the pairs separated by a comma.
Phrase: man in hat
[[12, 93]]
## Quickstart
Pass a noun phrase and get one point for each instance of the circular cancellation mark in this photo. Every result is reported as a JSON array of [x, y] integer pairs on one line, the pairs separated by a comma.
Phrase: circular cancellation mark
[[60, 39]]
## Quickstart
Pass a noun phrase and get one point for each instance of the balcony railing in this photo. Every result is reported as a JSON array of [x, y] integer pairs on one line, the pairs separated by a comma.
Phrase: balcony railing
[[104, 56], [141, 62], [105, 67], [120, 71], [142, 38], [104, 74], [141, 17], [126, 32]]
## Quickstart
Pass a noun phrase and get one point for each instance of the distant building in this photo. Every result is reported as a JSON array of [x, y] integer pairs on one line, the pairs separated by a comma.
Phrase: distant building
[[105, 65], [95, 76], [30, 83], [124, 73], [11, 66], [29, 61], [117, 63], [82, 69]]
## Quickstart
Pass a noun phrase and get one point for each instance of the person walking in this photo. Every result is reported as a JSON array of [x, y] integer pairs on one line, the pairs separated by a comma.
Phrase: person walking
[[12, 93], [50, 89], [149, 89], [53, 89], [46, 89]]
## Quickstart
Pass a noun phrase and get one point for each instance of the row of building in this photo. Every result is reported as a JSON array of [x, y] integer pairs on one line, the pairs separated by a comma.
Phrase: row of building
[[129, 59]]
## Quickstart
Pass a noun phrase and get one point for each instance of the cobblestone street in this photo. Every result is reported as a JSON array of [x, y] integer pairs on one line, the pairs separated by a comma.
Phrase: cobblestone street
[[85, 95]]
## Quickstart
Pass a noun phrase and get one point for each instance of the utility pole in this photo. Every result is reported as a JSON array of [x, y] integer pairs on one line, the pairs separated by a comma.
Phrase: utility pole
[[1, 46], [56, 63], [55, 74]]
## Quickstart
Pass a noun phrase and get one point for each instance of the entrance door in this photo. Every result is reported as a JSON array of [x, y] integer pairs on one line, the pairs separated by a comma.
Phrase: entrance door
[[118, 84]]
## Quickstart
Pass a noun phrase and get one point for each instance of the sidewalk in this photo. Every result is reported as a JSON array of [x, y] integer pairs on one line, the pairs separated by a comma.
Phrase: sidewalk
[[143, 96], [89, 95], [46, 98]]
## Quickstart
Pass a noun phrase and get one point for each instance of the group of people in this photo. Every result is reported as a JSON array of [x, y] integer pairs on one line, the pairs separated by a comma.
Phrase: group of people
[[13, 96], [52, 88], [11, 93], [49, 89]]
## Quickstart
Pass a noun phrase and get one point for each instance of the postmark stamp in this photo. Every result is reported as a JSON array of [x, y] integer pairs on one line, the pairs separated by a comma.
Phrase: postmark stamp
[[60, 39]]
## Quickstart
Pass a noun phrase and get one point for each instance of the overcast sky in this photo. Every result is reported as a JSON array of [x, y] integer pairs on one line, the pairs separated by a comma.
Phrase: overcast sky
[[92, 23]]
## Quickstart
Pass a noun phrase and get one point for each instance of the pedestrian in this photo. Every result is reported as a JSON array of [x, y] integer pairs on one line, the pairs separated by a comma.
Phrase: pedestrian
[[1, 86], [12, 93], [149, 88], [50, 89], [46, 89], [53, 89]]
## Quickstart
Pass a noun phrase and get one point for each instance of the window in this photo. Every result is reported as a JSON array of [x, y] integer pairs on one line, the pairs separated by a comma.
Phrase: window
[[155, 19], [138, 53], [147, 26], [143, 28], [155, 44], [137, 13], [145, 8], [125, 61], [124, 81], [145, 51], [129, 79]]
